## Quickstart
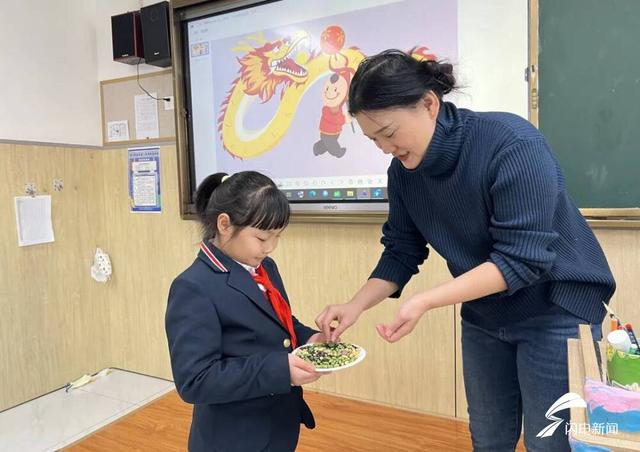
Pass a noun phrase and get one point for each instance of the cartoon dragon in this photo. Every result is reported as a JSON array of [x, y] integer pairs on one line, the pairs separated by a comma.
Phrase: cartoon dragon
[[281, 63]]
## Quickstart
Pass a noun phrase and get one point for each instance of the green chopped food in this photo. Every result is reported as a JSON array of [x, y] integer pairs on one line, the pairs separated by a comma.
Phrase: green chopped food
[[329, 355]]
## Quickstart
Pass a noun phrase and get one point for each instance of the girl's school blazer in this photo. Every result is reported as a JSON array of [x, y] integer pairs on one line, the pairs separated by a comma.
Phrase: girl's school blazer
[[229, 357]]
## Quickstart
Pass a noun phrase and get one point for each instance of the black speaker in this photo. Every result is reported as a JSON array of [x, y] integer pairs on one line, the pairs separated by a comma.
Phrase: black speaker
[[155, 34], [126, 35]]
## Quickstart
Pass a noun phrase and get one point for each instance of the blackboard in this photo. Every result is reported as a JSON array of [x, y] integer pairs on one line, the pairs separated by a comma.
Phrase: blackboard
[[589, 97]]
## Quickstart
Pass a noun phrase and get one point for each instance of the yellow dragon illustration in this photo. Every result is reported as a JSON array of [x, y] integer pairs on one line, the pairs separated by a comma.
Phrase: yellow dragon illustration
[[279, 63]]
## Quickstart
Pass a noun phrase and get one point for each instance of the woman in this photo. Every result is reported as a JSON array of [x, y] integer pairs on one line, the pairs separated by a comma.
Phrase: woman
[[486, 192]]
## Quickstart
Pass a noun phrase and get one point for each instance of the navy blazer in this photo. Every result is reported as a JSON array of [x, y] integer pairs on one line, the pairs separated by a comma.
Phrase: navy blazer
[[229, 357]]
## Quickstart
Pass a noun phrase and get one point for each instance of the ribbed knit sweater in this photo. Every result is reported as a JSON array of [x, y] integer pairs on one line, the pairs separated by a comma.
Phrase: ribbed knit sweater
[[490, 189]]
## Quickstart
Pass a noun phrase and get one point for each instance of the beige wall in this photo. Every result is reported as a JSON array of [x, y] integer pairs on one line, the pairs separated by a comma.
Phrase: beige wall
[[320, 264], [324, 264], [53, 316], [56, 323], [147, 251]]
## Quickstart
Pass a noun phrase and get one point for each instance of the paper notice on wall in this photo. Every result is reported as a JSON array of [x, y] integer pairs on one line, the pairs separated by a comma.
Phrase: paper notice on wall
[[118, 130], [146, 117], [144, 179], [33, 220]]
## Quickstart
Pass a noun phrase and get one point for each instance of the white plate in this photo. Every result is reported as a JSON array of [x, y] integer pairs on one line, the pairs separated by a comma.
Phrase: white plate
[[363, 353]]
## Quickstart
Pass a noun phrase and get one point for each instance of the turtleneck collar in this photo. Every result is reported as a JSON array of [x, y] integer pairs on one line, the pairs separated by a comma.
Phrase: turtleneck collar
[[444, 148]]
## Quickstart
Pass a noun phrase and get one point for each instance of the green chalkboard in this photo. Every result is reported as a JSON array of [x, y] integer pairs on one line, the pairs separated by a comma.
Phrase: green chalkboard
[[589, 104]]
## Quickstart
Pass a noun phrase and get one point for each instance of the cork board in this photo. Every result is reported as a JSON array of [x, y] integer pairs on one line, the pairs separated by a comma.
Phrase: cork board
[[117, 98]]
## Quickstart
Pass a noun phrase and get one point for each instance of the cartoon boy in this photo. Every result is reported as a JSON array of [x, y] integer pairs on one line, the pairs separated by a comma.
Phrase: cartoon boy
[[334, 97]]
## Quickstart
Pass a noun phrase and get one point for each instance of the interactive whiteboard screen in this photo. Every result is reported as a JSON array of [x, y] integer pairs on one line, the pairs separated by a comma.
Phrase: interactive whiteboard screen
[[267, 85]]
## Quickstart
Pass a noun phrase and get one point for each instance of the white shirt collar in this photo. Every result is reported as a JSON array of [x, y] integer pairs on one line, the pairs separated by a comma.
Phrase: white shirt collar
[[249, 268]]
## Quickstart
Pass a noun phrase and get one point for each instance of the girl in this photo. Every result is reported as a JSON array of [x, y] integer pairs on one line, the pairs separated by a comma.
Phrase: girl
[[486, 192], [230, 328]]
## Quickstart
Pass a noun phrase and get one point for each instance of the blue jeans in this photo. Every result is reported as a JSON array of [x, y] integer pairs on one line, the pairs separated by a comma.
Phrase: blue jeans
[[516, 371]]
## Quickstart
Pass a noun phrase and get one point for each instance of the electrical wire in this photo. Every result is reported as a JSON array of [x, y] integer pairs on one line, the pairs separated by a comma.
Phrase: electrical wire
[[166, 99]]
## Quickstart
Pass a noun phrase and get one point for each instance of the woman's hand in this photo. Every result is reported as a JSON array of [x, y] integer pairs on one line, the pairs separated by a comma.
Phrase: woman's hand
[[406, 320], [345, 314], [301, 371], [370, 294], [485, 279]]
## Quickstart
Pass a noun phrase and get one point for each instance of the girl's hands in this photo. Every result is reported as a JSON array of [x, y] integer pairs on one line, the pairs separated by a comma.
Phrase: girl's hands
[[301, 371]]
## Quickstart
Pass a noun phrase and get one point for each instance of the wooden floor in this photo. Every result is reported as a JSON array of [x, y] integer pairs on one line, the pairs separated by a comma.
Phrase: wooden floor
[[164, 426]]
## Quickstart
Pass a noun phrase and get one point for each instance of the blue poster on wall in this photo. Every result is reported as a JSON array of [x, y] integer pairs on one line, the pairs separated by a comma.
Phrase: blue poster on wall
[[144, 180]]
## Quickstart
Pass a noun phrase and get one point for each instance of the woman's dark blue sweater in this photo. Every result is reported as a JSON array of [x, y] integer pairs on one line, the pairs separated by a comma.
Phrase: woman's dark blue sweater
[[490, 189]]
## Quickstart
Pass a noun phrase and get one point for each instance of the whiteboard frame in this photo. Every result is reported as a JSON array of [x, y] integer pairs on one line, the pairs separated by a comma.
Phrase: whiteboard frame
[[596, 217]]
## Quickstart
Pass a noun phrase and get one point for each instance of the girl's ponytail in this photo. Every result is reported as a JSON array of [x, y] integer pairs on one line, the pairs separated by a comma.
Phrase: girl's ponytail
[[205, 190]]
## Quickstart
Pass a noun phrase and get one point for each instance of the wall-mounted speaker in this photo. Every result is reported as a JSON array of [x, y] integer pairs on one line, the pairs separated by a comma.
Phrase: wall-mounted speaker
[[155, 34], [126, 35]]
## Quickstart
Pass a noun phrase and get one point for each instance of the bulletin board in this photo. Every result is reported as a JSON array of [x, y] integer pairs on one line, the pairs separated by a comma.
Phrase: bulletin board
[[117, 98]]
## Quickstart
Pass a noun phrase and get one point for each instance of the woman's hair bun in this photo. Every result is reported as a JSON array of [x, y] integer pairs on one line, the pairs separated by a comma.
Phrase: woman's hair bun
[[442, 73]]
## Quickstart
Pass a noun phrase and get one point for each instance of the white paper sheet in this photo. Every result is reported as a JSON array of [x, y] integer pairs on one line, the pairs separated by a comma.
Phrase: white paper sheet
[[146, 117], [118, 130], [33, 220]]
